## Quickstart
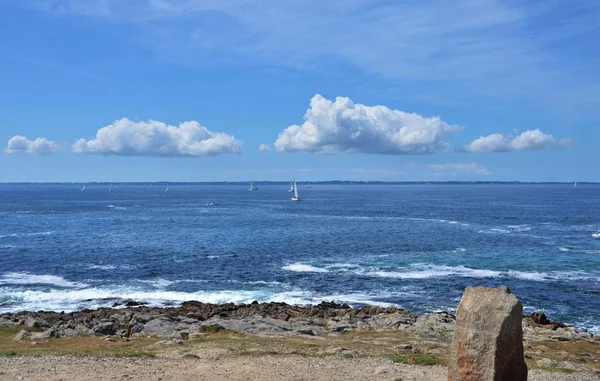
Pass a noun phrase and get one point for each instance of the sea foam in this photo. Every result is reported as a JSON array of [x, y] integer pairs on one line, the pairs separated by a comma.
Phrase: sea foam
[[303, 268], [27, 278]]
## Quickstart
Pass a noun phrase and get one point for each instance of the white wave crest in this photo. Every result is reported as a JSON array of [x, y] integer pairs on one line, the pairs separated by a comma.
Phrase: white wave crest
[[596, 235], [101, 267], [300, 267], [27, 278], [158, 283], [519, 228], [432, 271], [538, 277], [26, 234], [575, 250], [426, 271]]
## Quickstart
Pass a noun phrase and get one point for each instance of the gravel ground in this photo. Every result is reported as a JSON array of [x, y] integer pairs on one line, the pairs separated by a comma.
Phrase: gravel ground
[[216, 366]]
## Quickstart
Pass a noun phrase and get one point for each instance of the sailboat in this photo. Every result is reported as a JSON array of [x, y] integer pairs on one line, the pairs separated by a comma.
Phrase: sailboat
[[83, 187], [167, 188], [575, 185], [295, 197], [110, 188], [308, 185], [291, 187], [252, 187]]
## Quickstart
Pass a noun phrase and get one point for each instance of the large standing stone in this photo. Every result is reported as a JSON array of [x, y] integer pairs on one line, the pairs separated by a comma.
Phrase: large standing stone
[[488, 337]]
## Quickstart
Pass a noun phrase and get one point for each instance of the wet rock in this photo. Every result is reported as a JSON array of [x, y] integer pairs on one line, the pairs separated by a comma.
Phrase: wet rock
[[488, 337], [539, 318]]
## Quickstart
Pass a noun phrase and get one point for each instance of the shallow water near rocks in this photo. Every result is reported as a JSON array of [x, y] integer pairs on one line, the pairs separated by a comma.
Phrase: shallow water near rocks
[[416, 246]]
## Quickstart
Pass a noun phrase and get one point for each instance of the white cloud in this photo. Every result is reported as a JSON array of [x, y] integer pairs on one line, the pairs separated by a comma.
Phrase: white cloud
[[152, 138], [525, 141], [264, 148], [344, 126], [40, 146]]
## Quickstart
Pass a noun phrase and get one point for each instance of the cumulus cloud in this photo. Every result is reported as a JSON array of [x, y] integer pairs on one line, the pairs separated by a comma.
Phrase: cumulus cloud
[[264, 148], [40, 146], [525, 141], [129, 138], [345, 126]]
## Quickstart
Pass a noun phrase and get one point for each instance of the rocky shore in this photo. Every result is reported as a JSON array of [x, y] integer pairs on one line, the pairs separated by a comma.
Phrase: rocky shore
[[327, 329], [193, 318]]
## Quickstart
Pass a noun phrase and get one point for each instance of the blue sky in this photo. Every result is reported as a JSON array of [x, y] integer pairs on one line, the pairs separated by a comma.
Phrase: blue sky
[[188, 90]]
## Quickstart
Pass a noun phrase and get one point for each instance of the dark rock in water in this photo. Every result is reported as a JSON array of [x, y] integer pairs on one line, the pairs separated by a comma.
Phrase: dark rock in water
[[129, 303], [133, 303], [540, 318], [488, 337], [333, 305]]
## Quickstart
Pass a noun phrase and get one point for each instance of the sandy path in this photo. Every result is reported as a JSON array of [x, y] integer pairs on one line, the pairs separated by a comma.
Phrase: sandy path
[[216, 366]]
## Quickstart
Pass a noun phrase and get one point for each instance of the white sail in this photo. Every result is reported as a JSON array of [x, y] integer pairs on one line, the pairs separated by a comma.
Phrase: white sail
[[296, 197], [83, 187], [110, 188], [167, 188], [291, 187]]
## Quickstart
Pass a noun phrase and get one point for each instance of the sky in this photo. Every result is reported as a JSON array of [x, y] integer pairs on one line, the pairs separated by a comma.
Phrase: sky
[[240, 90]]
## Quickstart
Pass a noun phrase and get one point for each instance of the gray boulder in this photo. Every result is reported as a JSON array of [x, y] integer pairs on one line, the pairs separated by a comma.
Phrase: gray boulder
[[488, 337]]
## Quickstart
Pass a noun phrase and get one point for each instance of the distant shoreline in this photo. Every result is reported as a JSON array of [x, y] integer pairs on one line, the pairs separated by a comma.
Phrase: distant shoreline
[[312, 182]]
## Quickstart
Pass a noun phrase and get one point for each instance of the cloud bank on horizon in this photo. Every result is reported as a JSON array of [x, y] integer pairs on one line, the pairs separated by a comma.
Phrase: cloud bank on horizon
[[525, 141], [343, 126], [330, 127], [39, 146], [129, 138]]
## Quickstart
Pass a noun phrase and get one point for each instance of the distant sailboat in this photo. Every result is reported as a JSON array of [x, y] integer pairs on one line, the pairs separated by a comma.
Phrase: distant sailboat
[[83, 187], [252, 187], [291, 187], [575, 185], [167, 188], [308, 185], [295, 197], [110, 188]]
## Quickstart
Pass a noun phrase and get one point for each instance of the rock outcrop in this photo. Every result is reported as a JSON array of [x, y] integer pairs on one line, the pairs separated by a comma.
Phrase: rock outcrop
[[488, 337], [192, 318]]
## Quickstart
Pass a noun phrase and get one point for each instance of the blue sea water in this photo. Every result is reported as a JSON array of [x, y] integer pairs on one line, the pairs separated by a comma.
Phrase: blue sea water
[[416, 246]]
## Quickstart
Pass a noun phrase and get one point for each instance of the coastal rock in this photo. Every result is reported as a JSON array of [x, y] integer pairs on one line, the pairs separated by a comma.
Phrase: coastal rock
[[22, 335], [436, 326], [47, 334], [105, 328], [547, 363], [488, 337], [160, 327]]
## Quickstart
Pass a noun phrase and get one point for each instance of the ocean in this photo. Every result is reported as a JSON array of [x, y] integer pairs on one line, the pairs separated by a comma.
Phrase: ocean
[[412, 245]]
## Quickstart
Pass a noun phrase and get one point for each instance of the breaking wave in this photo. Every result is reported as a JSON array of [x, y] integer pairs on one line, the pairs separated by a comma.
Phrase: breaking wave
[[24, 278], [300, 267]]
